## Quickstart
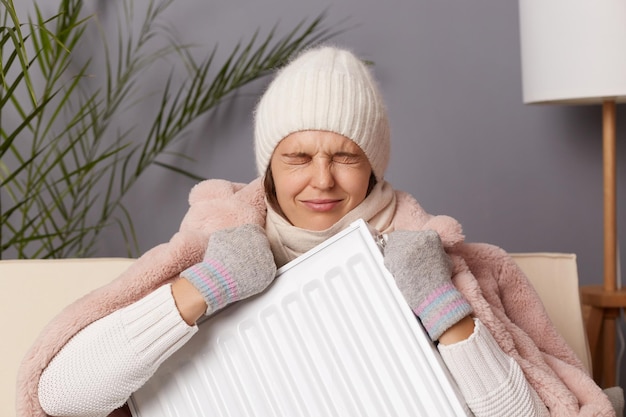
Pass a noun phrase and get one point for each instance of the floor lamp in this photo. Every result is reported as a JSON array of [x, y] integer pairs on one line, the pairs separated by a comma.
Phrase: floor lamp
[[574, 52]]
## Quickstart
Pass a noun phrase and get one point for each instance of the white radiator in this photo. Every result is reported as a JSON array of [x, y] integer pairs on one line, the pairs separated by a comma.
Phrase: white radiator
[[332, 336]]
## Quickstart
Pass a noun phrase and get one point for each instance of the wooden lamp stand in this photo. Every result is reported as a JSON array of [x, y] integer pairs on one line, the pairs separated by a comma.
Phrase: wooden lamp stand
[[605, 301]]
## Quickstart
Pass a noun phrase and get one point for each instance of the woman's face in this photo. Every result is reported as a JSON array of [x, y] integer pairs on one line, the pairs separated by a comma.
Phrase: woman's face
[[319, 177]]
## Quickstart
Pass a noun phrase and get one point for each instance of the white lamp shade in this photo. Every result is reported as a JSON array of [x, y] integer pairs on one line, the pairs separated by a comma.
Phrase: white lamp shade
[[573, 51]]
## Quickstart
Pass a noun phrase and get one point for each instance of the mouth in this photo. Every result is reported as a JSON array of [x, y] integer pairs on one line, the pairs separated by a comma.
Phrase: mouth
[[321, 205]]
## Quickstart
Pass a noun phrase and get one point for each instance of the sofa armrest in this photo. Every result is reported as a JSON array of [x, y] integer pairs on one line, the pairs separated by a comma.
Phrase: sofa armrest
[[32, 292], [555, 277]]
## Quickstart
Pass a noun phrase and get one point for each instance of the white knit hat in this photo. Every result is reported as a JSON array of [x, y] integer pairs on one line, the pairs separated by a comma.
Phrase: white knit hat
[[326, 89]]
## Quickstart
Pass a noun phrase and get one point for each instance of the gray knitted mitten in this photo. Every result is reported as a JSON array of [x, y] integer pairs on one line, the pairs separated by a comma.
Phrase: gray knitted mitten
[[238, 263], [423, 272]]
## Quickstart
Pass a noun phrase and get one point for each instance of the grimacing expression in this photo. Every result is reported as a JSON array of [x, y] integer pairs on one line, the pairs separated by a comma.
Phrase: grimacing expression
[[319, 177]]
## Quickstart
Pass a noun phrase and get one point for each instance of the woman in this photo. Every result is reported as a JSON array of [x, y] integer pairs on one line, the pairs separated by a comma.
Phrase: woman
[[322, 148]]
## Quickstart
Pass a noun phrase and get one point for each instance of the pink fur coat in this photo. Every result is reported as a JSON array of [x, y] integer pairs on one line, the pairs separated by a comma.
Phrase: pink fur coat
[[501, 295]]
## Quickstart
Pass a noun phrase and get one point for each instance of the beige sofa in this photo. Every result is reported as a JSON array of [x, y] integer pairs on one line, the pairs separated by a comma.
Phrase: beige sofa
[[33, 291]]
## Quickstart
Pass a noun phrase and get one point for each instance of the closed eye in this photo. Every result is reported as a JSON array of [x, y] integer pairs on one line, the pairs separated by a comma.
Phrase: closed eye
[[296, 158], [346, 158]]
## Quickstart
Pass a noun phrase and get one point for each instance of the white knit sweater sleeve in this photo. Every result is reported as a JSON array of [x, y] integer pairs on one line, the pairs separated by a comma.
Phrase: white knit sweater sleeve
[[103, 364], [491, 382]]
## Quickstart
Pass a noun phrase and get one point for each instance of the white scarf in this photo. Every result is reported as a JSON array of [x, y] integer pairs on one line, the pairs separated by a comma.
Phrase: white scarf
[[288, 241]]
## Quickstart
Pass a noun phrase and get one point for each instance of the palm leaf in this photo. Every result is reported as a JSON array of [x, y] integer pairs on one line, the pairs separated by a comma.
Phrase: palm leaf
[[65, 164]]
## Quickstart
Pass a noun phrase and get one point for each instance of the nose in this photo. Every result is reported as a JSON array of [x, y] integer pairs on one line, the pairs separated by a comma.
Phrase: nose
[[322, 176]]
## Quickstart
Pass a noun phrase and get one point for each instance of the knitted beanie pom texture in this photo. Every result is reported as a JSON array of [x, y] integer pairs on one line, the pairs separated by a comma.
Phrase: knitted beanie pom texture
[[327, 89]]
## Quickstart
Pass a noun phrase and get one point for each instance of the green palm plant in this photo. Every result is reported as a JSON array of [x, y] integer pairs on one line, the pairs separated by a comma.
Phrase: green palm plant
[[64, 166]]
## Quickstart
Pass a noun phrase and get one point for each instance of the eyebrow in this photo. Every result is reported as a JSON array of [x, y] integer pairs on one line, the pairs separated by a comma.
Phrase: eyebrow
[[340, 153], [294, 154]]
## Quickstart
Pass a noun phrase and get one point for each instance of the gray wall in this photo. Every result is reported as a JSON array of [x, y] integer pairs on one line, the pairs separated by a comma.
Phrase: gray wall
[[526, 178]]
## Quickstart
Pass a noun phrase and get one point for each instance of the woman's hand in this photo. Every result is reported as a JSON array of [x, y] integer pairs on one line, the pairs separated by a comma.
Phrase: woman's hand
[[423, 272], [238, 263]]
